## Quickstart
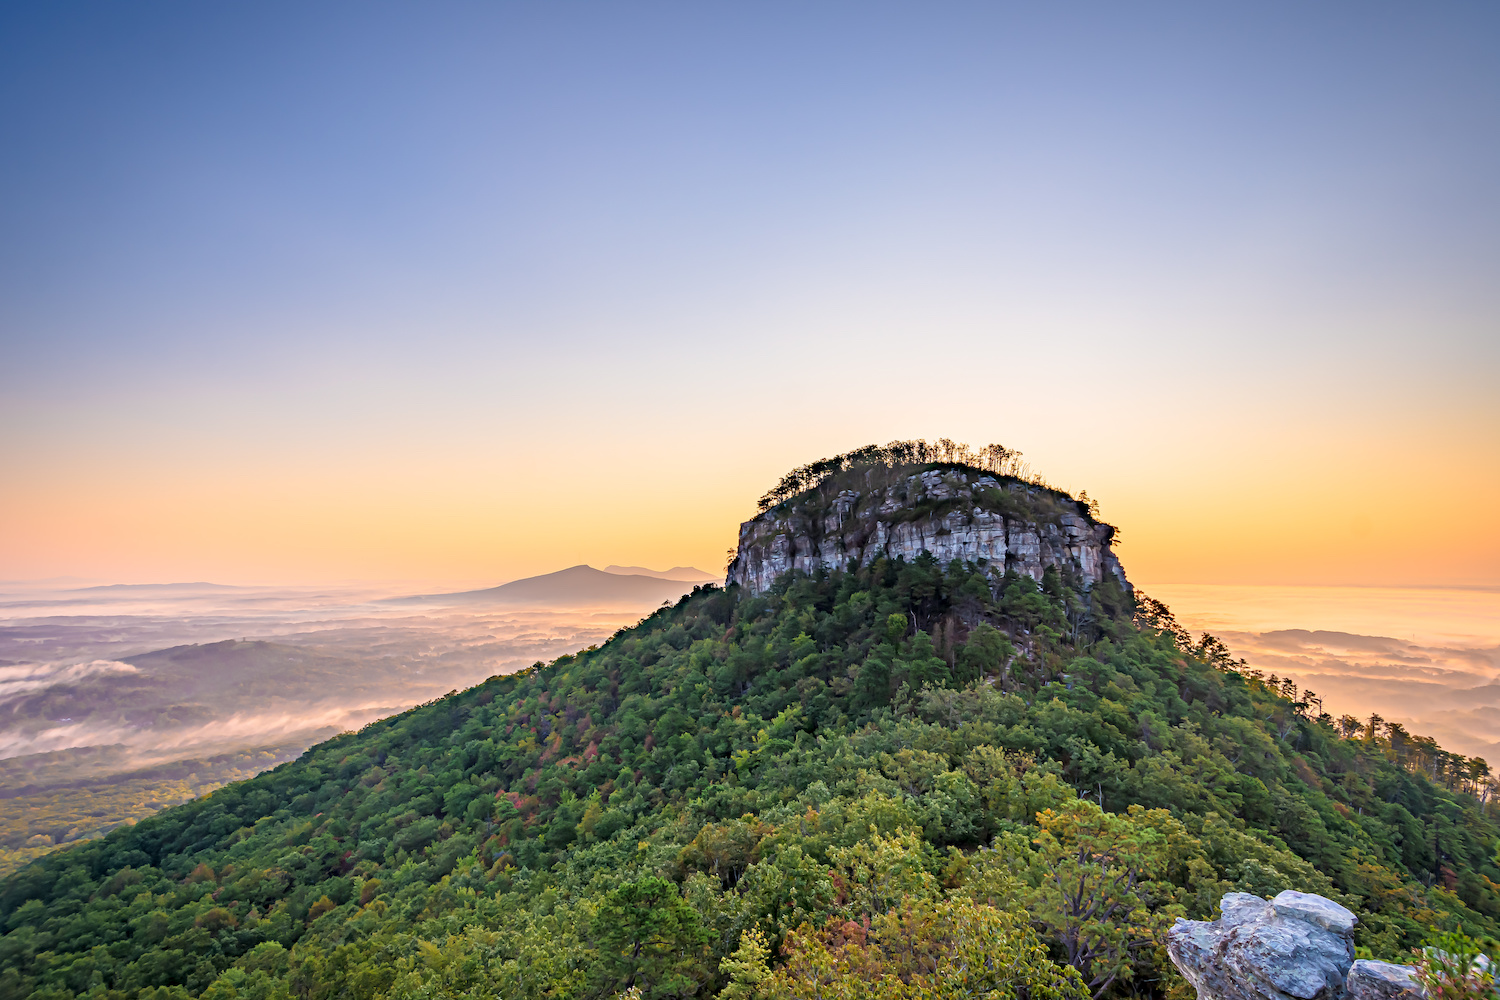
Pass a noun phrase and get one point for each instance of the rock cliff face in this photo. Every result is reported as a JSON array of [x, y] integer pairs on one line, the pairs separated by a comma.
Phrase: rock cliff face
[[951, 513], [1298, 946]]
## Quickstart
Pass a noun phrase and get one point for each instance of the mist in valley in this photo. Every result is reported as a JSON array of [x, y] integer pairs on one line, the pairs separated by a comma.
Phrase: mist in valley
[[179, 672], [119, 701], [1427, 658]]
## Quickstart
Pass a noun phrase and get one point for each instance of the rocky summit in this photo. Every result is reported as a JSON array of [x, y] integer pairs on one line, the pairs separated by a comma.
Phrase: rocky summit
[[1002, 523]]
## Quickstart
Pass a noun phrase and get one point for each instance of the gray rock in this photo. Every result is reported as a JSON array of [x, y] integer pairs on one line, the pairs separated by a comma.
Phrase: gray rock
[[1383, 981], [1031, 533], [1296, 947], [1238, 907], [1317, 910]]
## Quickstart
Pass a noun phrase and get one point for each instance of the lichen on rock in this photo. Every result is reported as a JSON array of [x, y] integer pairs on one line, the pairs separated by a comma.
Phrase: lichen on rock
[[1298, 946]]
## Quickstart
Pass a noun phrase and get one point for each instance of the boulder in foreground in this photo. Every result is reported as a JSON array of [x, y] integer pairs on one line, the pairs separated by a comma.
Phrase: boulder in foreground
[[1298, 946]]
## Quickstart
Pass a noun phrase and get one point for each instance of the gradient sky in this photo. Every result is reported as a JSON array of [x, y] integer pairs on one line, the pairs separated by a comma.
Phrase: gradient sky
[[298, 292]]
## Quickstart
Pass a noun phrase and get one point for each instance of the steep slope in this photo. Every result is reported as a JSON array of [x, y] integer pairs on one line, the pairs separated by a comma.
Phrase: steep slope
[[871, 779]]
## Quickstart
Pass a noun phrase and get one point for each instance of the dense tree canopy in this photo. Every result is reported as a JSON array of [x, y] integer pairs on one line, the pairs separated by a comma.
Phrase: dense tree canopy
[[906, 780]]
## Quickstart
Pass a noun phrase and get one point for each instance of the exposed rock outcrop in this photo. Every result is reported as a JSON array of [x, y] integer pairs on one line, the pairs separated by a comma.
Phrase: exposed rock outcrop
[[1297, 946], [951, 513], [1382, 981]]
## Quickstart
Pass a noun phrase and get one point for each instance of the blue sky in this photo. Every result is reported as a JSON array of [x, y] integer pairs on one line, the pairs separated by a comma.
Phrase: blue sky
[[339, 270]]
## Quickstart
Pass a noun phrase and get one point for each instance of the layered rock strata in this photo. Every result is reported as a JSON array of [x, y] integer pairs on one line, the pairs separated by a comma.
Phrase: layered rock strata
[[970, 516], [1297, 946]]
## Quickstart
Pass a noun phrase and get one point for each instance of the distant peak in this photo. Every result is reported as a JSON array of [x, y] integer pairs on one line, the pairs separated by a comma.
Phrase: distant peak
[[681, 574]]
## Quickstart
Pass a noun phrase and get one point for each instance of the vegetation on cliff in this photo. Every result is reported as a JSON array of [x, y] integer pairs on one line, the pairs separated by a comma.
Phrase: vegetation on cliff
[[995, 459], [908, 497], [903, 780]]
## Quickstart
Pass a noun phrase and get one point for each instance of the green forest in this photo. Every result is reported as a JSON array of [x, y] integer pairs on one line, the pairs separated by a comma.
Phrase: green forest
[[898, 780], [44, 802]]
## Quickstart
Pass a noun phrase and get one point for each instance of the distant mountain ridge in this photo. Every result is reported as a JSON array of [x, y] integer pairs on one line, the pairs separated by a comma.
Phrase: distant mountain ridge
[[576, 586], [683, 574]]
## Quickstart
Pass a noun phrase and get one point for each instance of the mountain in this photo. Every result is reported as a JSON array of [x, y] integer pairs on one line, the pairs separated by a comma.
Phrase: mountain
[[577, 586], [899, 777], [684, 574]]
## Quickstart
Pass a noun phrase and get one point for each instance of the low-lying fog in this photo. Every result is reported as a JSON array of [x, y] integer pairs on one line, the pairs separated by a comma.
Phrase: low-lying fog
[[1428, 657], [146, 675]]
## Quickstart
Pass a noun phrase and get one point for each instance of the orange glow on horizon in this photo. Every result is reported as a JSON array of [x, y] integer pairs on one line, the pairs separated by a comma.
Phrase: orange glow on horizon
[[1304, 519]]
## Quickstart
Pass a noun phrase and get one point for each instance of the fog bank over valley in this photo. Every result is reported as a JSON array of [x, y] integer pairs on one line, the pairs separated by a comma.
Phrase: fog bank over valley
[[119, 700], [1425, 657]]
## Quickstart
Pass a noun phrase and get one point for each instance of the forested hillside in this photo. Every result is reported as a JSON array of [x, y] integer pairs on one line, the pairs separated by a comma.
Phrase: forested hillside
[[903, 780], [37, 814]]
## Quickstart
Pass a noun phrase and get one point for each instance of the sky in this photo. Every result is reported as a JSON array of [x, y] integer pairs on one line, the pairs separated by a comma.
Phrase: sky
[[464, 292]]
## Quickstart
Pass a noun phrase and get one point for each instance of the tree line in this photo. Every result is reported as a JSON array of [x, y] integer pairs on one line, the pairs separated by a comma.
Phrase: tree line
[[995, 459]]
